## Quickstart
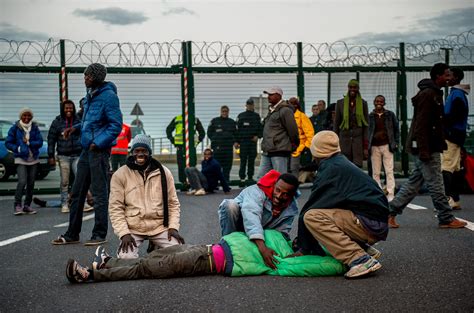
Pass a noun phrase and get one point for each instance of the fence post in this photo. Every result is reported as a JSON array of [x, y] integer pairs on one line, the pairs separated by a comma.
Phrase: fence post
[[402, 97], [188, 111], [446, 60], [63, 92], [300, 74], [329, 89]]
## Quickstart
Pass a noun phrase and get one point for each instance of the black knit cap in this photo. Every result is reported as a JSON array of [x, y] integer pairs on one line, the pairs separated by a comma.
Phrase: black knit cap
[[97, 72]]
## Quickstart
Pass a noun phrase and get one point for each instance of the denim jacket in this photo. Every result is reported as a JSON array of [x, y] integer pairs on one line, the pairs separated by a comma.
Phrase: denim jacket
[[256, 209]]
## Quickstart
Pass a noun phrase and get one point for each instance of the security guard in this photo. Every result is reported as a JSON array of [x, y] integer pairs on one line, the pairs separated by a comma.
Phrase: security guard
[[177, 126], [221, 132], [249, 129]]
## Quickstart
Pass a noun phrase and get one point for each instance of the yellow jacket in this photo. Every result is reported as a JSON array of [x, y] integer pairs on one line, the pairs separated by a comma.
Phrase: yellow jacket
[[305, 131]]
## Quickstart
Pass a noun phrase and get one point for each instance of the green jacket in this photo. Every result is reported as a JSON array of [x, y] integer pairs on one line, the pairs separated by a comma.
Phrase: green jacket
[[245, 259]]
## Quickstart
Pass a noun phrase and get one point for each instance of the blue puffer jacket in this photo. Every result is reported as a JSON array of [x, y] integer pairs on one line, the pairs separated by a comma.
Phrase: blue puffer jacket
[[15, 140], [102, 119]]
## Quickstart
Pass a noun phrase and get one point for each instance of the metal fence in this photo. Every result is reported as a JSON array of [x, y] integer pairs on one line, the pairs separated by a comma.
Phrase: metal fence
[[196, 78]]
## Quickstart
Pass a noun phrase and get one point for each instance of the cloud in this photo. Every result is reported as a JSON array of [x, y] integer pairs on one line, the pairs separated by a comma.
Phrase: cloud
[[452, 22], [112, 16], [12, 32], [179, 11]]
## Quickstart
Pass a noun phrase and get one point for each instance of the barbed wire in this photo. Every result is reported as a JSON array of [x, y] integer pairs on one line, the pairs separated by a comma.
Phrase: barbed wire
[[218, 53]]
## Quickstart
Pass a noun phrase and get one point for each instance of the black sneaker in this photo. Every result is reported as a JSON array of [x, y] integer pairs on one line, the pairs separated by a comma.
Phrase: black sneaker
[[76, 273], [100, 258], [39, 202], [95, 241]]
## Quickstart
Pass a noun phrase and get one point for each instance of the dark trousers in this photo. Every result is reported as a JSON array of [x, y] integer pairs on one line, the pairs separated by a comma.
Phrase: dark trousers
[[225, 156], [92, 172], [174, 261], [181, 161], [305, 240], [117, 160], [452, 184], [26, 178], [248, 153]]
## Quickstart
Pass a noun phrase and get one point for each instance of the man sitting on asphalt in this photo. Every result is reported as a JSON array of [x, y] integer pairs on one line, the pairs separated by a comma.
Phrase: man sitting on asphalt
[[346, 211], [270, 204], [143, 203], [234, 255]]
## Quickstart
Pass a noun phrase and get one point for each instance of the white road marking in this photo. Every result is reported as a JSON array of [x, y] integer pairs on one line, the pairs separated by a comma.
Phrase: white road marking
[[416, 207], [85, 218], [22, 237], [470, 225]]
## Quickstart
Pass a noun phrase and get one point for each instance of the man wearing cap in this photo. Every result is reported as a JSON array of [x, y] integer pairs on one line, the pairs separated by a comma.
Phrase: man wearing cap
[[351, 124], [280, 134], [249, 129], [346, 211], [143, 202], [100, 126]]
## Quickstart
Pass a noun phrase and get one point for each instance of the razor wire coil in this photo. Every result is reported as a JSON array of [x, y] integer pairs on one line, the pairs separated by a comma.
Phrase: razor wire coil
[[218, 53]]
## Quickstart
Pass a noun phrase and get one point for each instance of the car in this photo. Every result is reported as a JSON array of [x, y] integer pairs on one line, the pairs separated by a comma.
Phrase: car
[[7, 160]]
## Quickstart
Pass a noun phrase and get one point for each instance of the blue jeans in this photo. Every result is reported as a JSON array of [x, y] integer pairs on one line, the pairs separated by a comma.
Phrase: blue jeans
[[92, 173], [230, 217], [66, 164], [277, 163], [26, 178], [428, 173]]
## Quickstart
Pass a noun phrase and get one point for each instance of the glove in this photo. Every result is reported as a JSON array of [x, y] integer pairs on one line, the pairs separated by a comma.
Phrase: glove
[[174, 233], [127, 242]]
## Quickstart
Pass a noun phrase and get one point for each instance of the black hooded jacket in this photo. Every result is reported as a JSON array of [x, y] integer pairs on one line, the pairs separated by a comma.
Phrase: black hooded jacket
[[426, 130], [72, 145]]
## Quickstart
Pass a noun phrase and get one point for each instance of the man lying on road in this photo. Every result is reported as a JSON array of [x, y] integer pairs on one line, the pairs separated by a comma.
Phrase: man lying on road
[[234, 255]]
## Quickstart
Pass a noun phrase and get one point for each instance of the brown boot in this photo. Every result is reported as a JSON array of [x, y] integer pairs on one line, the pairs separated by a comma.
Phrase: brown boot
[[392, 223], [453, 224]]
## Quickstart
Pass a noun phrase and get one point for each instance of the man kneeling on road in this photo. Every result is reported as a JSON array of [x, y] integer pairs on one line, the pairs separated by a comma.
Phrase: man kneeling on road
[[143, 203], [270, 204], [346, 211], [234, 255]]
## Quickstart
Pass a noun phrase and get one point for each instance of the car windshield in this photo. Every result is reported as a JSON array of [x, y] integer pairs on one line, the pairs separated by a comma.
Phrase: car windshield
[[4, 128]]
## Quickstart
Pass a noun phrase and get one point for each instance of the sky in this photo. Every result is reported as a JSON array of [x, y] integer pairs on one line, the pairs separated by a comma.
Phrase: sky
[[356, 22]]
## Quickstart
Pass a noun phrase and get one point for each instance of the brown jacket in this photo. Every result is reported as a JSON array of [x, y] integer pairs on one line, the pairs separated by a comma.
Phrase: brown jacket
[[426, 131], [136, 205]]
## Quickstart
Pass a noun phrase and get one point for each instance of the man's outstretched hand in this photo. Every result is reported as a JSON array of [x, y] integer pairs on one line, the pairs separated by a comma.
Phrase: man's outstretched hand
[[174, 233], [127, 242], [267, 253]]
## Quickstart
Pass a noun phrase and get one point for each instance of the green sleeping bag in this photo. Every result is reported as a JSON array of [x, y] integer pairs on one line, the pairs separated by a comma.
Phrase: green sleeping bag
[[248, 260]]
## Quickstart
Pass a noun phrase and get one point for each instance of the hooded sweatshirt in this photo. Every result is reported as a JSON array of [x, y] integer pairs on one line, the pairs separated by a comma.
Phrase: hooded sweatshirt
[[456, 112], [426, 131]]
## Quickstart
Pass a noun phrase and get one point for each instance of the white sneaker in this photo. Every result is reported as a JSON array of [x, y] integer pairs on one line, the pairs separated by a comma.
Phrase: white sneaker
[[88, 208], [64, 208], [200, 192], [191, 192], [454, 204]]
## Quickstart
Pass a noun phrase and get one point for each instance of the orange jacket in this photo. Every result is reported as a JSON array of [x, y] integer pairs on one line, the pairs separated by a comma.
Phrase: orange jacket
[[123, 139]]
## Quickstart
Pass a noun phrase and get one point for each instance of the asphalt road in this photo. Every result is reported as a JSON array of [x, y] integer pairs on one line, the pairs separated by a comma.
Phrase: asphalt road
[[425, 269]]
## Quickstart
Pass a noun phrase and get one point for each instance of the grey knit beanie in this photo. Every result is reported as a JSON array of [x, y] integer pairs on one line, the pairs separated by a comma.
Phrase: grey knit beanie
[[143, 141], [97, 72]]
